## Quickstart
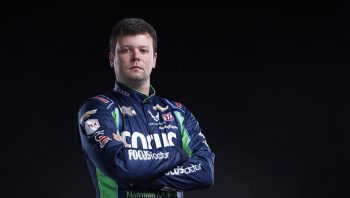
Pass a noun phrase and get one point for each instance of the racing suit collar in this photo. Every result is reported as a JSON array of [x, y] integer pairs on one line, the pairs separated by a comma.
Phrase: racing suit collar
[[133, 93]]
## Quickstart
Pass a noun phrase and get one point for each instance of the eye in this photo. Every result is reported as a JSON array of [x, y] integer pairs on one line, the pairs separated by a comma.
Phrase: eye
[[144, 51], [124, 50]]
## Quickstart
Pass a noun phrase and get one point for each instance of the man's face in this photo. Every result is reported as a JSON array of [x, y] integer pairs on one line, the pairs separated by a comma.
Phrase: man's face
[[134, 59]]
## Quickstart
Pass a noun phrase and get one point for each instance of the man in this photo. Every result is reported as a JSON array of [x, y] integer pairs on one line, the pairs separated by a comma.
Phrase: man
[[138, 144]]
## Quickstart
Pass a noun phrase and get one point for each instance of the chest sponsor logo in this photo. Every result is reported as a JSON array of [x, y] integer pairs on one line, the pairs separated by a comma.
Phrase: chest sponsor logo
[[162, 125], [130, 111], [161, 109], [91, 125], [168, 117], [159, 140], [155, 117], [87, 114], [169, 126]]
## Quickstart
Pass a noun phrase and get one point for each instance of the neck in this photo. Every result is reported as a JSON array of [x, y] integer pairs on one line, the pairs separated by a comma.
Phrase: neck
[[143, 89], [140, 87]]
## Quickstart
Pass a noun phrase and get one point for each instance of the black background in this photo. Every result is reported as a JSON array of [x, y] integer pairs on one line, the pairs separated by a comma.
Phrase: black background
[[268, 82]]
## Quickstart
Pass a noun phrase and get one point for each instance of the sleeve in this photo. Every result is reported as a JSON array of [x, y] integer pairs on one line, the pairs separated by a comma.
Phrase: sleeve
[[198, 171], [96, 128]]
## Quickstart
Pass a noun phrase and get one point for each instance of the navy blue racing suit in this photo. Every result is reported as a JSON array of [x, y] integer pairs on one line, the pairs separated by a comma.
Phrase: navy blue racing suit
[[159, 150]]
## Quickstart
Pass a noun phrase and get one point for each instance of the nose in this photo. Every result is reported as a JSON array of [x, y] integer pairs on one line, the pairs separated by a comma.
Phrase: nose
[[136, 55]]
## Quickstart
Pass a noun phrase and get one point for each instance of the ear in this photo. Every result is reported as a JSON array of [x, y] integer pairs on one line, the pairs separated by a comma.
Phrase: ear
[[155, 59], [111, 59]]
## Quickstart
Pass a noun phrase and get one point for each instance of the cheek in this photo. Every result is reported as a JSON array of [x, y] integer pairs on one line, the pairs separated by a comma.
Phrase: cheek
[[124, 58], [150, 65], [151, 62], [123, 61]]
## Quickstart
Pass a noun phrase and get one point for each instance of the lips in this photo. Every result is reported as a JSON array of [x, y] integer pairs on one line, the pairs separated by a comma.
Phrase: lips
[[135, 67]]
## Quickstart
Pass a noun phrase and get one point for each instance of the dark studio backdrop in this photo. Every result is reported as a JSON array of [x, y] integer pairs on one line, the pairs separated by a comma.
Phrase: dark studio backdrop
[[268, 82]]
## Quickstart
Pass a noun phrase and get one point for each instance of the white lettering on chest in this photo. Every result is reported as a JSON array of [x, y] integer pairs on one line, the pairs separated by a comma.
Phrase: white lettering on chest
[[133, 139]]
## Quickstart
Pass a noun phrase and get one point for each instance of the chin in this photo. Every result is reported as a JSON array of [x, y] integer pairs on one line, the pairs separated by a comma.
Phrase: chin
[[136, 80]]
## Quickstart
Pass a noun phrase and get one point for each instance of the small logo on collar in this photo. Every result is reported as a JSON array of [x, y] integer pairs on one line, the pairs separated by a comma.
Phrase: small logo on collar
[[158, 107], [119, 90]]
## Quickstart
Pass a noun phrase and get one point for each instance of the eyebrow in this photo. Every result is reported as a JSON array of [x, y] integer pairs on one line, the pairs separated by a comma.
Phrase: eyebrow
[[140, 46]]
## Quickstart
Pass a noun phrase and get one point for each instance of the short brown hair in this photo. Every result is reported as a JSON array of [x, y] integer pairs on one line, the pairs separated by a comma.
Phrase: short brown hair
[[131, 26]]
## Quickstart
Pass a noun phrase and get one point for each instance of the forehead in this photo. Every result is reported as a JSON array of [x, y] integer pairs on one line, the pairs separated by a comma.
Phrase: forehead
[[135, 40]]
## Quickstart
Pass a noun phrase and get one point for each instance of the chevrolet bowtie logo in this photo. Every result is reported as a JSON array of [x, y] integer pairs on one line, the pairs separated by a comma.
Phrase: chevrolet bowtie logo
[[86, 115], [158, 107]]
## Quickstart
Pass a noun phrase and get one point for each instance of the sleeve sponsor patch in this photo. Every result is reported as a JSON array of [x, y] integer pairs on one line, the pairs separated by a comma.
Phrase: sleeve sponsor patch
[[91, 125], [102, 99], [101, 138], [87, 114], [184, 170], [178, 104]]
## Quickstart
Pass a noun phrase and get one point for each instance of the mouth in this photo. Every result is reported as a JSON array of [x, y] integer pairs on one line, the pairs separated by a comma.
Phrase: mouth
[[135, 68]]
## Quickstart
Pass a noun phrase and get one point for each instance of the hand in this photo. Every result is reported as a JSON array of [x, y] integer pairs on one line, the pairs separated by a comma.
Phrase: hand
[[119, 138]]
